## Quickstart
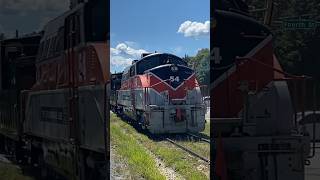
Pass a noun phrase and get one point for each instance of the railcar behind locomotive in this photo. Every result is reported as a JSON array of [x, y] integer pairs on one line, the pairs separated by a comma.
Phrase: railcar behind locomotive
[[162, 94], [115, 86]]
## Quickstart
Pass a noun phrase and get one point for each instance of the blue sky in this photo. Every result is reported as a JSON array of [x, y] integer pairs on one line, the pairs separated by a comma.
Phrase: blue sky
[[174, 26]]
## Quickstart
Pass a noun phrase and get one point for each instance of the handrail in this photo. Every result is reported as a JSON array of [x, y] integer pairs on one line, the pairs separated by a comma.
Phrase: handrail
[[288, 77], [303, 77]]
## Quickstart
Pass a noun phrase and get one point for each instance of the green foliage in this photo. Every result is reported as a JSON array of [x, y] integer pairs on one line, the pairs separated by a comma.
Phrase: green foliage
[[173, 157], [201, 64], [12, 172], [127, 146]]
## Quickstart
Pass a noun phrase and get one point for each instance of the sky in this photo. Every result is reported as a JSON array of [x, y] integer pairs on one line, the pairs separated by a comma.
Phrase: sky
[[179, 27], [28, 16]]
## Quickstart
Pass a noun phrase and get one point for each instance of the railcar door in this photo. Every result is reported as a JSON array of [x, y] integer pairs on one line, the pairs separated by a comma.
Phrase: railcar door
[[72, 35]]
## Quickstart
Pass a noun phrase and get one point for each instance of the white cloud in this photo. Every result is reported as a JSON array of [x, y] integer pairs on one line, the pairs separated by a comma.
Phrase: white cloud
[[114, 51], [125, 49], [122, 55], [194, 29], [120, 61]]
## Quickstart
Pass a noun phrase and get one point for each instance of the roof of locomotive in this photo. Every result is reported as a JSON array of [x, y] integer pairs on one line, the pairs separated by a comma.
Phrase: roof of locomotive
[[127, 69], [53, 25], [156, 54]]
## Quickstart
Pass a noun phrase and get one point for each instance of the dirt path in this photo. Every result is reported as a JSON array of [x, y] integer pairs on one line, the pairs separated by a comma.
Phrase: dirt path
[[119, 170], [168, 172]]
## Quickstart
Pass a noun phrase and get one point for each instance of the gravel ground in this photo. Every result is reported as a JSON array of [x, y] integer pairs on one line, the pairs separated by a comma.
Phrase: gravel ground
[[118, 168], [168, 172]]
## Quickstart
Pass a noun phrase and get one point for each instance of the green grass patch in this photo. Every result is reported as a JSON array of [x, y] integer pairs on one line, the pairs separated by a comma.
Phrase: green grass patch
[[181, 162], [207, 129], [200, 147], [137, 158], [12, 172], [173, 157]]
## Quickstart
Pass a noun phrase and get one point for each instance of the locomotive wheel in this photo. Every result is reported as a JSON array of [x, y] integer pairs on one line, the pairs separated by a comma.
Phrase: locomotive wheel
[[140, 124], [92, 169], [143, 123]]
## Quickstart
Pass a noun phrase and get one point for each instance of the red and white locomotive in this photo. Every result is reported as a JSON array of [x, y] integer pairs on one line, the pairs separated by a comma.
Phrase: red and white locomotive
[[56, 110], [162, 94]]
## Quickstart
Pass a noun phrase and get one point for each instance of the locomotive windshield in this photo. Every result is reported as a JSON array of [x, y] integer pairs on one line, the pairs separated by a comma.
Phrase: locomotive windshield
[[152, 61]]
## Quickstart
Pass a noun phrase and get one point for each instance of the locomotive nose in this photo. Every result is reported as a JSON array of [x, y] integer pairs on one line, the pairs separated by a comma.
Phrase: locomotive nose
[[174, 68], [172, 74]]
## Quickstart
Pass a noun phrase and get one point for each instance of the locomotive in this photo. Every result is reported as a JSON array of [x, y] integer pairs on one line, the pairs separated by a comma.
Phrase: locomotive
[[253, 113], [161, 94], [59, 122]]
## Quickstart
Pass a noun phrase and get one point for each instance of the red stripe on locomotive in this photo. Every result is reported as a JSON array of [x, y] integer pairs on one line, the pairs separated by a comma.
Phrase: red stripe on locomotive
[[256, 70], [153, 82]]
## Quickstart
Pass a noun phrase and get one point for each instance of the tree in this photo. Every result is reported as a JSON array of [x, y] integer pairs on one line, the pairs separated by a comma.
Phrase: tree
[[201, 64]]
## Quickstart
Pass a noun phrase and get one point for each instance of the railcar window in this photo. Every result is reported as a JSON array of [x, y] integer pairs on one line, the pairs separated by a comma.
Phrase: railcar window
[[43, 50], [52, 46], [46, 47], [49, 47], [40, 50], [72, 31], [60, 40]]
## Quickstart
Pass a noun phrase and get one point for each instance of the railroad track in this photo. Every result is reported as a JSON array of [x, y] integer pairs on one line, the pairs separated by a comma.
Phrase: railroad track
[[201, 138], [165, 137], [188, 150]]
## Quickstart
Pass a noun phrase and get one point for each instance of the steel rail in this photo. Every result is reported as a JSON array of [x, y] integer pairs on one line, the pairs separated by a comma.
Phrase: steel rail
[[201, 138], [189, 151]]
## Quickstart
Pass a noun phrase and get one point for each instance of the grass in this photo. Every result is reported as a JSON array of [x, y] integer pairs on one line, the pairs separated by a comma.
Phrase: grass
[[177, 159], [11, 172], [202, 148], [182, 163], [207, 129], [140, 162]]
